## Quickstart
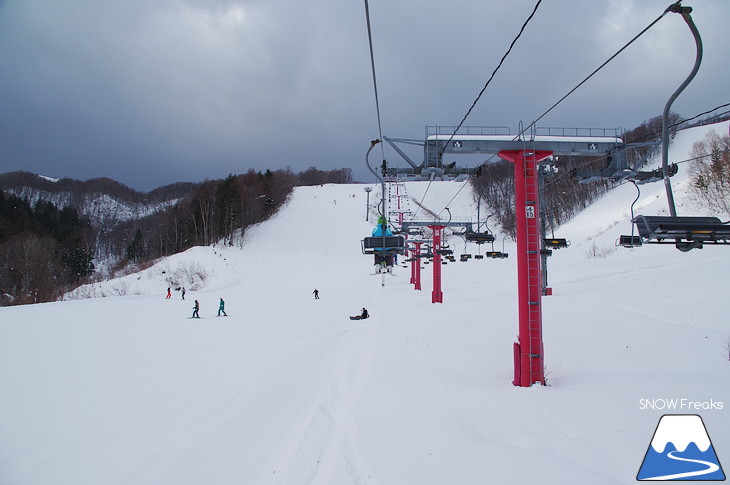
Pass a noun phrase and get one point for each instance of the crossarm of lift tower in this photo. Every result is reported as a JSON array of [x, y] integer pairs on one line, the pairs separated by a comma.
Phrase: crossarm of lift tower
[[470, 140]]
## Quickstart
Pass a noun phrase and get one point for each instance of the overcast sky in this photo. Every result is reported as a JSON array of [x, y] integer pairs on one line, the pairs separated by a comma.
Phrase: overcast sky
[[156, 92]]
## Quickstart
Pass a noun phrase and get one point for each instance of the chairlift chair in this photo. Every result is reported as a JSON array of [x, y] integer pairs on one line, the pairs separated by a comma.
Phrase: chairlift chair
[[496, 255], [479, 237], [388, 245], [629, 241], [686, 232], [556, 243]]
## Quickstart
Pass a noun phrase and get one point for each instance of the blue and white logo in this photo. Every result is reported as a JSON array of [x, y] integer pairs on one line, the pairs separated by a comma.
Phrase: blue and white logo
[[681, 450]]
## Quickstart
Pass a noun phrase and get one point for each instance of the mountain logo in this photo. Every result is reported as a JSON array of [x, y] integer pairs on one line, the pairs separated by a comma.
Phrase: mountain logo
[[680, 450]]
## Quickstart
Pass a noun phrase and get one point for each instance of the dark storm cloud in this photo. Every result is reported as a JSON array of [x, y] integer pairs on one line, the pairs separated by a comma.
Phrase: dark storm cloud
[[156, 92]]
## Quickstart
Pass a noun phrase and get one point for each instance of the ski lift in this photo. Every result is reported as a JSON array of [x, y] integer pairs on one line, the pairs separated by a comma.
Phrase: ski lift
[[686, 233], [479, 237], [383, 242], [555, 243], [384, 245], [476, 236], [629, 241], [496, 254]]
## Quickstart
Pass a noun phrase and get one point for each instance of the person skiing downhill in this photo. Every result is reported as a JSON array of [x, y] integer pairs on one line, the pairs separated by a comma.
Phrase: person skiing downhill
[[195, 310], [183, 293], [316, 294], [169, 295], [221, 308]]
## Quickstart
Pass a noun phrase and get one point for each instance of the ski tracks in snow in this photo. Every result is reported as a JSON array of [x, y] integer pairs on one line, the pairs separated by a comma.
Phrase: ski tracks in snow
[[322, 445]]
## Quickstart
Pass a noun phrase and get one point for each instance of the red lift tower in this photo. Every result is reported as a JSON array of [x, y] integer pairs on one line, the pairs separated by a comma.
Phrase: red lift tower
[[525, 152], [529, 363], [437, 296], [416, 265]]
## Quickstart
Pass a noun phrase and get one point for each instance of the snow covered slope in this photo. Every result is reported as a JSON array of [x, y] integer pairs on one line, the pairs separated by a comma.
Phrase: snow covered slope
[[288, 390]]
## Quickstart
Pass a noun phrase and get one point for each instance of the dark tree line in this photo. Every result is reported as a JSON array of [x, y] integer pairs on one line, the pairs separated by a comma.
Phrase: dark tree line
[[44, 250]]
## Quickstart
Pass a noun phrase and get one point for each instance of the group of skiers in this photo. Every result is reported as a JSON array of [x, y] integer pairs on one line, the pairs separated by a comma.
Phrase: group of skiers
[[221, 309], [169, 293], [196, 306], [222, 306]]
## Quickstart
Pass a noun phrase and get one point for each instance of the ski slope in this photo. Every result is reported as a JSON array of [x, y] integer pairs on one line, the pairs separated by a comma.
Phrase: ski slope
[[126, 389]]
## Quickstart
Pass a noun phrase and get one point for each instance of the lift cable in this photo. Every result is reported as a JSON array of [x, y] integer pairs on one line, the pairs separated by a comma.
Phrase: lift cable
[[589, 162], [534, 123], [375, 82], [514, 41], [422, 199], [566, 174], [657, 132], [666, 11], [446, 207]]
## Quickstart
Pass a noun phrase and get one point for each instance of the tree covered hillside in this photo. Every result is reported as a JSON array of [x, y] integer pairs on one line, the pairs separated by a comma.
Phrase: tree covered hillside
[[56, 234]]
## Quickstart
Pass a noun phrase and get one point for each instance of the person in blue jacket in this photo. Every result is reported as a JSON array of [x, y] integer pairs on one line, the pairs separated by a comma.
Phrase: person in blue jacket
[[382, 262]]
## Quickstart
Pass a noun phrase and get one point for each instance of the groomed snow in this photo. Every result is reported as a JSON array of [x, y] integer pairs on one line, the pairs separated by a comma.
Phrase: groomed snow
[[287, 390]]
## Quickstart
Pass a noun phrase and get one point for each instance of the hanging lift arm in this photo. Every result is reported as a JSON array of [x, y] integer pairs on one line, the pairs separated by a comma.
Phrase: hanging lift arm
[[383, 244], [685, 12], [686, 233]]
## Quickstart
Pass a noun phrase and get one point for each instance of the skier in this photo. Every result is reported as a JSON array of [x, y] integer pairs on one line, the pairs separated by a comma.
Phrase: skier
[[316, 294], [221, 308], [169, 295], [195, 310], [183, 293]]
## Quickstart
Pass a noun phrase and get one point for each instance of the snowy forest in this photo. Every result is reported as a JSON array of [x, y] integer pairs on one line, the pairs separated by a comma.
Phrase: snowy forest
[[51, 239]]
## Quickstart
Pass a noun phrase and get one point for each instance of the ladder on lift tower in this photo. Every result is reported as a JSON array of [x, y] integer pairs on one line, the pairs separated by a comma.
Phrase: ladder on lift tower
[[399, 202], [534, 273]]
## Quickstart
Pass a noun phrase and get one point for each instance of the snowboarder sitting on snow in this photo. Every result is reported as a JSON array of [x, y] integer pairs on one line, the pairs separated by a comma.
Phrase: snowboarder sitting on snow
[[221, 308], [362, 316], [195, 310]]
